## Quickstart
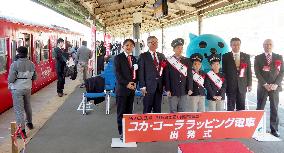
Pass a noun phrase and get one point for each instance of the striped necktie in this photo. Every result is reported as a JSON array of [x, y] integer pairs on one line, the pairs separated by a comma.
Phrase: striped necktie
[[268, 59]]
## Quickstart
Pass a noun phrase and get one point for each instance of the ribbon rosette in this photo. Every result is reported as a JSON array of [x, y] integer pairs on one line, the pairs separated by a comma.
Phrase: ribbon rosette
[[135, 67], [278, 64], [243, 66], [163, 64]]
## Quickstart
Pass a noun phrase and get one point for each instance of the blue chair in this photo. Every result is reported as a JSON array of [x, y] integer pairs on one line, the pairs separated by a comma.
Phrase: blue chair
[[85, 105], [109, 76]]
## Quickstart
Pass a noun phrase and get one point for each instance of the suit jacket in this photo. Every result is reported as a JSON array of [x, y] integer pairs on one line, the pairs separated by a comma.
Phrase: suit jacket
[[213, 90], [198, 90], [60, 59], [124, 74], [177, 83], [234, 82], [270, 77], [149, 77]]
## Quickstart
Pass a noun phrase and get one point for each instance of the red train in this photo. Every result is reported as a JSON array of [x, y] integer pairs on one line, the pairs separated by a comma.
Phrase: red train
[[40, 40]]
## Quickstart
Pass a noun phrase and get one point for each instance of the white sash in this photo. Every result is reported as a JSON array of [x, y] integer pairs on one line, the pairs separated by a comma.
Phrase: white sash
[[215, 78], [198, 78], [178, 65]]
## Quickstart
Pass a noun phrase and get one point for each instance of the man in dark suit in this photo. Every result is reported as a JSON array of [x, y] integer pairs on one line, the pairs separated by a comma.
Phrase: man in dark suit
[[151, 65], [269, 71], [100, 52], [237, 69], [125, 70], [178, 78], [60, 66]]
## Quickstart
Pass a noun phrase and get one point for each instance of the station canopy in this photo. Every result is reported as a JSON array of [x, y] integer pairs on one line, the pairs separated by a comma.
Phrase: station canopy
[[116, 16]]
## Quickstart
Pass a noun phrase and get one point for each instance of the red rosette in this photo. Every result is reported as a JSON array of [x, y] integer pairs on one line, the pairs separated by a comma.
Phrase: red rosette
[[243, 65], [163, 64], [278, 64]]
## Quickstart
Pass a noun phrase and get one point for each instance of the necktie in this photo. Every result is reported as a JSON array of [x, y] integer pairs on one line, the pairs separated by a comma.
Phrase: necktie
[[268, 58], [129, 61], [237, 60], [155, 61]]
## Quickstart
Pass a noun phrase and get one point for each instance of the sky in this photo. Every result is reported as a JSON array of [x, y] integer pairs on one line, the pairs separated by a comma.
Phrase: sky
[[31, 11]]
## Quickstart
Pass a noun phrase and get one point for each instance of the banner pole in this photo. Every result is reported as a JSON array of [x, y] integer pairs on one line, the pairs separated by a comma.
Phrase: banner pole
[[13, 130]]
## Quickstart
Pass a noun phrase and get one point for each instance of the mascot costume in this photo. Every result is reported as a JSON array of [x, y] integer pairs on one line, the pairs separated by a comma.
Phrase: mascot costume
[[206, 45]]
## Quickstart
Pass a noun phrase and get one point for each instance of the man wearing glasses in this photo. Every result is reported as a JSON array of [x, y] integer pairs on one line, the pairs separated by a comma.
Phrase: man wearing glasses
[[151, 65]]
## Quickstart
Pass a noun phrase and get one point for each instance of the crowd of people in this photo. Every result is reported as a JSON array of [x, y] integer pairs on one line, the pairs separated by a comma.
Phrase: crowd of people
[[187, 86], [182, 78]]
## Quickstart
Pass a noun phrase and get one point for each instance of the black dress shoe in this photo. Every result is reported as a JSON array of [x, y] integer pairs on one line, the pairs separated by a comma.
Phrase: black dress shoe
[[60, 94], [121, 137], [30, 126], [275, 133]]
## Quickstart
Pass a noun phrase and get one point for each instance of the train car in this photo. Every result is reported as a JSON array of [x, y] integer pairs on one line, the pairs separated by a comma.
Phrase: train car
[[40, 41]]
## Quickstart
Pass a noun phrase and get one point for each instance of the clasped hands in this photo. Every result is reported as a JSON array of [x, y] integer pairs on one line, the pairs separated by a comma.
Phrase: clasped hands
[[270, 87], [169, 94], [131, 85]]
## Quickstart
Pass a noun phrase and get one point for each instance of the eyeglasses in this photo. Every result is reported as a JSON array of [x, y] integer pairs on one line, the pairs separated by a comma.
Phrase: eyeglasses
[[152, 42]]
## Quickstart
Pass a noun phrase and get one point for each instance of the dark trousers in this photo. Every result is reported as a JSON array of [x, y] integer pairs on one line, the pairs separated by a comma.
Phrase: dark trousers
[[60, 82], [124, 106], [100, 64], [262, 95], [152, 101], [236, 100]]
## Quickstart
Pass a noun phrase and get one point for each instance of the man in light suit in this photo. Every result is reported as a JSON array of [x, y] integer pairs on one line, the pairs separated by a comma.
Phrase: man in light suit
[[236, 66], [269, 71], [150, 76]]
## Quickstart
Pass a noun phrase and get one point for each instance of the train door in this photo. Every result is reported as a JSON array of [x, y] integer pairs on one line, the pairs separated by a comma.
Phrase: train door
[[28, 44], [5, 95], [25, 39], [3, 55]]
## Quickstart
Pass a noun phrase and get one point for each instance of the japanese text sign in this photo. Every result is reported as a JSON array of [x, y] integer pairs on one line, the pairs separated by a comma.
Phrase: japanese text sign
[[190, 126]]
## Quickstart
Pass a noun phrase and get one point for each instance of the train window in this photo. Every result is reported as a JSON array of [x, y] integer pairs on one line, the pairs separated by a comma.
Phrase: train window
[[38, 47], [28, 44], [53, 41], [3, 58], [45, 49], [13, 49], [20, 42]]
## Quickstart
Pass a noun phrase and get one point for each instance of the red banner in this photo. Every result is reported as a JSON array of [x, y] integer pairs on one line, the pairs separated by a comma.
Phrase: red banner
[[190, 126], [107, 40]]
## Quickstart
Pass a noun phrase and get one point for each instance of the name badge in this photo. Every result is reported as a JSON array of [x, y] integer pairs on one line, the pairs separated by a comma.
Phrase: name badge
[[266, 68]]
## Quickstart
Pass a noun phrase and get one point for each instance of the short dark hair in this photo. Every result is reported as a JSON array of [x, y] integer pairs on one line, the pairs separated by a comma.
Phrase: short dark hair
[[211, 63], [235, 39], [128, 40], [84, 43], [22, 50], [59, 40]]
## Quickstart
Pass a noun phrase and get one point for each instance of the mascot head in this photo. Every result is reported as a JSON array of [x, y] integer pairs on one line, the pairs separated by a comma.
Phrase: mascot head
[[206, 45]]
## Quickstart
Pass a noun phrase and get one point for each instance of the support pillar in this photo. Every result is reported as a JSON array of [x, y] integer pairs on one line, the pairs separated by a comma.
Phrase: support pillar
[[199, 19], [94, 48], [163, 43], [136, 37]]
